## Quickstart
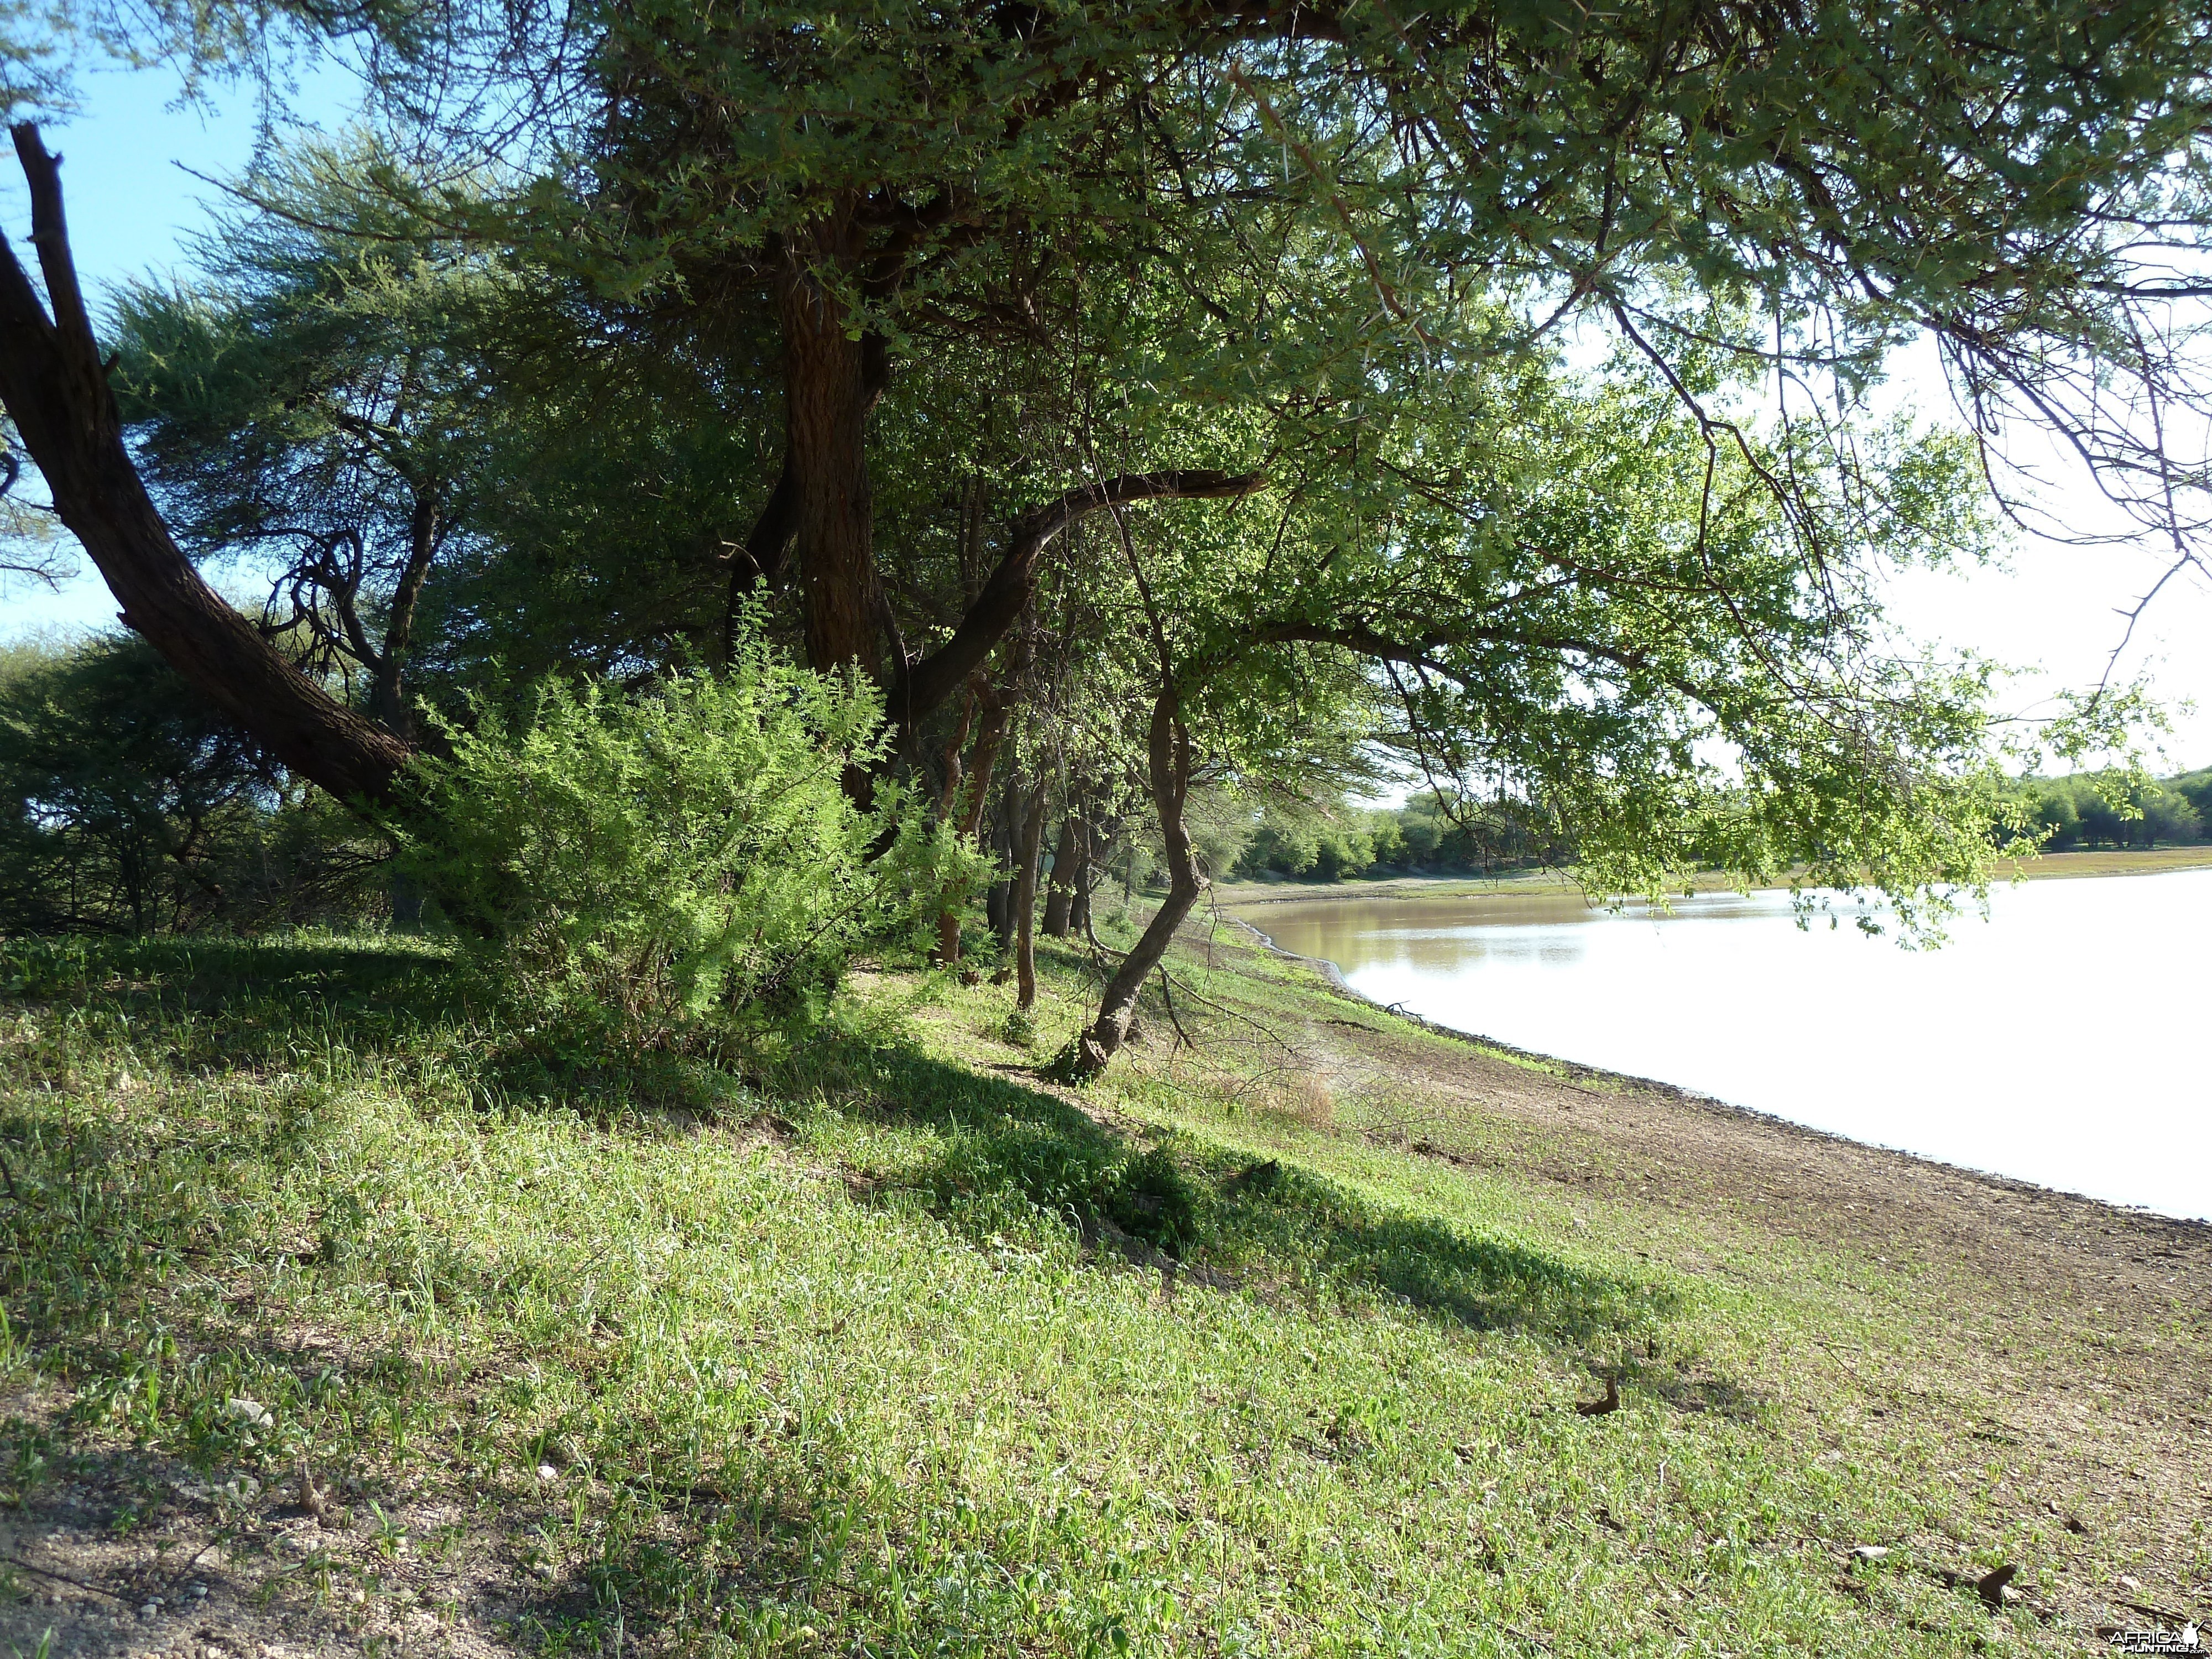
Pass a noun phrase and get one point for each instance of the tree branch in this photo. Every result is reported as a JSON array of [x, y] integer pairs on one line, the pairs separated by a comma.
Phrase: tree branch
[[921, 689], [55, 389]]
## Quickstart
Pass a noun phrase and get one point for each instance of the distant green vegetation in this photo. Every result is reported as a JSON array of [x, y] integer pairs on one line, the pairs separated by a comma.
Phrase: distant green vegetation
[[1334, 840], [128, 805], [1330, 843], [2089, 811]]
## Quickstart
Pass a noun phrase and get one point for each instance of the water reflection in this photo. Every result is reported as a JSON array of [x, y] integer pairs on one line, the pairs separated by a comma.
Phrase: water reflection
[[2060, 1042]]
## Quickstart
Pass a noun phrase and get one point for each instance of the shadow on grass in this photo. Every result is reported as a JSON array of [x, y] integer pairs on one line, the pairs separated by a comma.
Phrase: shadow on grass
[[1684, 1390], [211, 1004], [184, 1411], [993, 1142], [755, 1540], [751, 1535], [363, 975]]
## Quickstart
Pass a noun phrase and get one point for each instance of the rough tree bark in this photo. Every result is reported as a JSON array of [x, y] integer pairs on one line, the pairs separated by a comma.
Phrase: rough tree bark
[[980, 761], [999, 903], [948, 801], [1059, 896], [56, 391], [1078, 913], [387, 696], [1029, 849], [827, 396], [1169, 759]]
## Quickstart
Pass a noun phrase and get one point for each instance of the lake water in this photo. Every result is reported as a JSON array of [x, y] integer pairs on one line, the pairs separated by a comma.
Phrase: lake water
[[2066, 1041]]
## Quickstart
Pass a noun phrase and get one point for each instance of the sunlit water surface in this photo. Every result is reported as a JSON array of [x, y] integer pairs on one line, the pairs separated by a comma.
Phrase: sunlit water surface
[[2066, 1041]]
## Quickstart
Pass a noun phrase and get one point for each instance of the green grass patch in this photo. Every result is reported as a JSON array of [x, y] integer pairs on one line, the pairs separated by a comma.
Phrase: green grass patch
[[879, 1345]]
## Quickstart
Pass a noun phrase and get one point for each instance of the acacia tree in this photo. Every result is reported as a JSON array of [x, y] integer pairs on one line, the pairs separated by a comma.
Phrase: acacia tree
[[56, 388], [325, 399], [884, 180], [1577, 602], [444, 455]]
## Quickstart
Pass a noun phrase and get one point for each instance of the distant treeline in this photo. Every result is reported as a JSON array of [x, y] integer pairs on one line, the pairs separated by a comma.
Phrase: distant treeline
[[129, 805], [1333, 841], [1328, 843], [2092, 811]]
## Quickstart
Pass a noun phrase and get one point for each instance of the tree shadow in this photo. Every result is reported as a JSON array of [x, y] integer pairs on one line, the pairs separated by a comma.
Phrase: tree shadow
[[362, 976], [752, 1544], [1202, 1212], [1680, 1387], [994, 1142], [212, 1002]]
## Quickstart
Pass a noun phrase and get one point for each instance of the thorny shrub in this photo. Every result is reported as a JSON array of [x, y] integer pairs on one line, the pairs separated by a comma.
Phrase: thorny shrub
[[663, 868]]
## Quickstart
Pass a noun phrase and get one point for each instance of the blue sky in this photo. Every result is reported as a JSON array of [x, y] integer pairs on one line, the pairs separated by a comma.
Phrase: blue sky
[[133, 203]]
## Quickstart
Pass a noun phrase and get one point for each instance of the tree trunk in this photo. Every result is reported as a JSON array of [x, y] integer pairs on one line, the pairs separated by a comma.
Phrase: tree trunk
[[826, 398], [56, 391], [1060, 899], [948, 801], [1029, 849], [981, 762], [387, 698], [1079, 910], [998, 904], [1169, 757]]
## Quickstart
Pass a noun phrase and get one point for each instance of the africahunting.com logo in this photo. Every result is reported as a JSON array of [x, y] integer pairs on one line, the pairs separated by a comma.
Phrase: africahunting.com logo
[[2160, 1640]]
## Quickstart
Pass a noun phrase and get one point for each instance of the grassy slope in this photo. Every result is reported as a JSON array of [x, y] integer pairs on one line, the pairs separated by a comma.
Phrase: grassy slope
[[821, 1361]]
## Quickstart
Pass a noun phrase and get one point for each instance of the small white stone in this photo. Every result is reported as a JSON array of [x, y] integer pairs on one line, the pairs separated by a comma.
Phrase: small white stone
[[1869, 1551], [250, 1412], [547, 1472]]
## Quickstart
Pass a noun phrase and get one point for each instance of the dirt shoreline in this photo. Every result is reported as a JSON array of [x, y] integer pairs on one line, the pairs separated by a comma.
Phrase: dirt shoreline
[[2063, 1345], [1774, 1122]]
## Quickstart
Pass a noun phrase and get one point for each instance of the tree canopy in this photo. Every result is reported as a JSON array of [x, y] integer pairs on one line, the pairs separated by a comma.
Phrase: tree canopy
[[1147, 402]]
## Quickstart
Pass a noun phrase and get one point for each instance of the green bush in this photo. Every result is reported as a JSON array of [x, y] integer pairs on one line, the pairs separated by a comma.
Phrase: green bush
[[662, 867], [1326, 844]]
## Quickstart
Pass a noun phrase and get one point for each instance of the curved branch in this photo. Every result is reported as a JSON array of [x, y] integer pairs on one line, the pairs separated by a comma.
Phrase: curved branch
[[923, 687], [55, 389]]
